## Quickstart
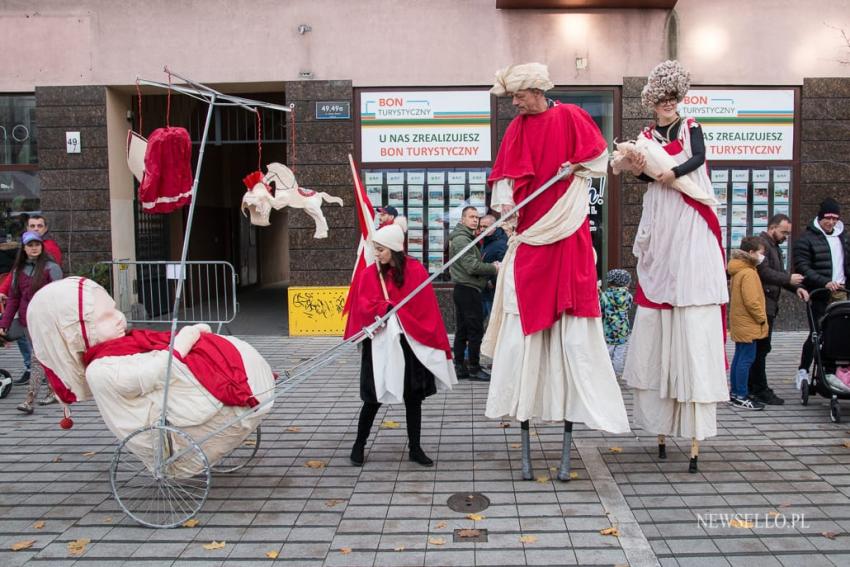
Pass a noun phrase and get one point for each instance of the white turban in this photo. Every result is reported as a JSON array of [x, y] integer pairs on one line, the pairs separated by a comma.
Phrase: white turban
[[520, 77]]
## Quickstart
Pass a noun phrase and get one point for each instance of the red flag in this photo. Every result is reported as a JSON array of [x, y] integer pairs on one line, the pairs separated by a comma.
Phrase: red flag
[[366, 218]]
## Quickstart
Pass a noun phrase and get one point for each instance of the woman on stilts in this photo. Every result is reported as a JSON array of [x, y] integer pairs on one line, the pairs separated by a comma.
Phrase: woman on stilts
[[409, 358], [676, 361]]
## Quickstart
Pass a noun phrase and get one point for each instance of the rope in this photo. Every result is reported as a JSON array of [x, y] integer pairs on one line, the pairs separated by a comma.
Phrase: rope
[[168, 102], [292, 143], [139, 99], [259, 141]]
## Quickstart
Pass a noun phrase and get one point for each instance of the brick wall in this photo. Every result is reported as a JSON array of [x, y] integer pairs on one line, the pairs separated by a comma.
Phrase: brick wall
[[321, 164], [75, 187]]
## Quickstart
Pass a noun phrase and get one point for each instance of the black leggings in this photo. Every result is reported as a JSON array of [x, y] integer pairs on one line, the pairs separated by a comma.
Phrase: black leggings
[[413, 413]]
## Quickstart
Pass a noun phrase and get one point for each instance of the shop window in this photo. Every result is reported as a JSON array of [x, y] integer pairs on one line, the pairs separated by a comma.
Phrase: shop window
[[748, 197], [20, 191]]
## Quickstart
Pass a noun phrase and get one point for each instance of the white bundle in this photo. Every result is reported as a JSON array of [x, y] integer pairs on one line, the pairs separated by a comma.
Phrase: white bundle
[[657, 162]]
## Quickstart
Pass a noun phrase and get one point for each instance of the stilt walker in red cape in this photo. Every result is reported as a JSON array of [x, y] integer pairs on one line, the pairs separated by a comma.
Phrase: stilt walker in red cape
[[409, 358], [550, 360], [676, 361]]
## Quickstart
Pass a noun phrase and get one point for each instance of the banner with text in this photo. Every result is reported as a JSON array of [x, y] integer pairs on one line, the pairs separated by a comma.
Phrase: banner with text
[[743, 125], [422, 126]]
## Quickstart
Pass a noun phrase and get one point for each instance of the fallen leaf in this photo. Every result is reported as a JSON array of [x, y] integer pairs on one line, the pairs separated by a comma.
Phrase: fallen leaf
[[468, 533], [846, 443], [293, 429], [389, 424], [475, 517], [398, 548], [272, 554], [345, 550], [214, 545], [612, 531], [89, 454], [441, 525], [436, 540], [250, 442], [542, 479], [38, 525], [742, 524], [528, 538], [784, 505], [515, 446], [534, 434], [78, 546], [504, 424], [616, 449], [553, 469], [315, 464], [26, 544], [57, 459], [829, 535], [107, 520], [191, 523], [573, 475], [333, 502]]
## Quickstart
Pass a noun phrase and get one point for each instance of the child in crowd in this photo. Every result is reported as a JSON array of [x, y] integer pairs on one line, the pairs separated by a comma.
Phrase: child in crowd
[[747, 317], [616, 303]]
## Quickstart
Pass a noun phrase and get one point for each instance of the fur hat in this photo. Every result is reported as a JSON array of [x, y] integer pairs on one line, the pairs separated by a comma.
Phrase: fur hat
[[619, 278], [391, 236], [668, 80], [515, 78]]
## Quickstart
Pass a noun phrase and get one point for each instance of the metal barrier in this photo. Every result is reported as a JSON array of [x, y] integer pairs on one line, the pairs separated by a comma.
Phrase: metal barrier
[[144, 291]]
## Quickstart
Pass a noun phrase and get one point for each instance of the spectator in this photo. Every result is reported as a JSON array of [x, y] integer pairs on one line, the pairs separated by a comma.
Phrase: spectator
[[493, 250], [774, 278], [34, 223], [470, 275], [386, 216], [747, 318], [33, 268], [822, 256], [616, 303]]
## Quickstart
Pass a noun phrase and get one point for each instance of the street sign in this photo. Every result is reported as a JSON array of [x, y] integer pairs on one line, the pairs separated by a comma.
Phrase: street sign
[[333, 110]]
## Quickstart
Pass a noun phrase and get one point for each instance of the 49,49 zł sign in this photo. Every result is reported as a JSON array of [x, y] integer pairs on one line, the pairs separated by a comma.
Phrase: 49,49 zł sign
[[425, 126], [744, 125]]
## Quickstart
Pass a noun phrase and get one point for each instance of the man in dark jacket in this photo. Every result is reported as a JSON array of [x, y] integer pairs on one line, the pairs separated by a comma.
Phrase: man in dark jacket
[[470, 275], [494, 247], [822, 256], [774, 278]]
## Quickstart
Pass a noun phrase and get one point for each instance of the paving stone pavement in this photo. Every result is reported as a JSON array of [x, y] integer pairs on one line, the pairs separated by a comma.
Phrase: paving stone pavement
[[787, 466]]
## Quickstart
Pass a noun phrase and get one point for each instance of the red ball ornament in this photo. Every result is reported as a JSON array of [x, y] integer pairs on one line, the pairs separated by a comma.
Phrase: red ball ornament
[[66, 423]]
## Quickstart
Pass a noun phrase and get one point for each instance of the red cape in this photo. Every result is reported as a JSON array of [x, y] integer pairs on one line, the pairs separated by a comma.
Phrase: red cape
[[420, 317], [214, 362], [561, 277]]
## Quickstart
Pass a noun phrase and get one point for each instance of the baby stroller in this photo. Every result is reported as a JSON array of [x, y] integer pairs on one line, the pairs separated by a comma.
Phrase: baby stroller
[[831, 343]]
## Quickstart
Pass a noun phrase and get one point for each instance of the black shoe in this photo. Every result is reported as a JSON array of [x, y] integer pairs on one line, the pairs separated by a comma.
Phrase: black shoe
[[357, 457], [461, 372], [25, 377], [662, 451], [417, 455], [479, 373], [769, 399], [692, 466]]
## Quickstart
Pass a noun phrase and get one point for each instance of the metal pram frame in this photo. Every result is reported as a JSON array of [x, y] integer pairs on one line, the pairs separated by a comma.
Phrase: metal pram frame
[[160, 494]]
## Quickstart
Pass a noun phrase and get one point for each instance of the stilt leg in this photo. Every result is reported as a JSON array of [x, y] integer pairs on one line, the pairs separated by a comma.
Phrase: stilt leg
[[692, 467], [527, 471], [564, 471], [662, 447]]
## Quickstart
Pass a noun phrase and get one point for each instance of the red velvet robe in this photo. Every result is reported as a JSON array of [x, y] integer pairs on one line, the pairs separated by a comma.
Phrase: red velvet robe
[[559, 278], [420, 318]]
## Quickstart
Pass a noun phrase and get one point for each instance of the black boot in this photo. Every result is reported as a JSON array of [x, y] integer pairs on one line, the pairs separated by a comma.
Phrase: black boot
[[476, 372], [461, 371], [364, 425], [413, 414], [662, 451], [692, 466], [417, 455]]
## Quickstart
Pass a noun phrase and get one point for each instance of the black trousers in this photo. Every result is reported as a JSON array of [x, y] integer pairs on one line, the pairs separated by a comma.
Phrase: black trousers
[[808, 354], [469, 317], [757, 383], [413, 413]]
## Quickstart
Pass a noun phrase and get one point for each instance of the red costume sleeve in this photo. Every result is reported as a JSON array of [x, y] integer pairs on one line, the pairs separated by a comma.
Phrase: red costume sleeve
[[52, 248]]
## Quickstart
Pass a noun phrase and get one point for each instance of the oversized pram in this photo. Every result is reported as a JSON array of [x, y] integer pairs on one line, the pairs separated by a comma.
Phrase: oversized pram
[[831, 344]]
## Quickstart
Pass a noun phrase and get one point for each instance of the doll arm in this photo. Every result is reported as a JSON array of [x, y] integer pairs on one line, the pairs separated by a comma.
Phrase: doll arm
[[188, 336]]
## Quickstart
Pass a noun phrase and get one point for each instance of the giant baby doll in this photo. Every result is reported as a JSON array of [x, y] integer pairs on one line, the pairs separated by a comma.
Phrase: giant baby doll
[[81, 340]]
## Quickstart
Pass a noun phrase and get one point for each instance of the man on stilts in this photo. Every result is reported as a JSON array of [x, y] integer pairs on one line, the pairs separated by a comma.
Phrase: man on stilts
[[550, 360]]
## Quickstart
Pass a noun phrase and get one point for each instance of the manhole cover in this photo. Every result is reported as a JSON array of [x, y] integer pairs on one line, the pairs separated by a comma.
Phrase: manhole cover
[[468, 502], [477, 535]]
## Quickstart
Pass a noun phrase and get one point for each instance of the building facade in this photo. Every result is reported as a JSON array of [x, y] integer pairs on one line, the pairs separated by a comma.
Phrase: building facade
[[402, 86]]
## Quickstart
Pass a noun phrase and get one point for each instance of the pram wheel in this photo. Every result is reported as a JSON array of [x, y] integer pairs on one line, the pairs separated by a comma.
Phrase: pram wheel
[[5, 383], [240, 456], [834, 411], [804, 392], [168, 489]]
